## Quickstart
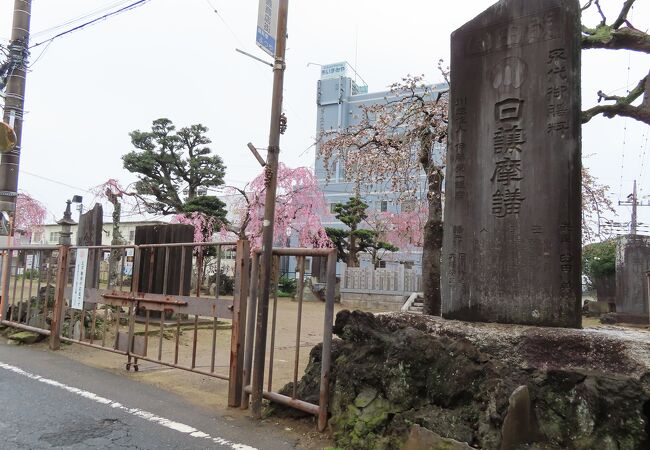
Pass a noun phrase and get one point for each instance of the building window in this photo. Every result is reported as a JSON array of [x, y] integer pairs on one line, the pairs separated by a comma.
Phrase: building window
[[307, 265], [408, 206], [54, 236], [37, 236], [131, 235], [382, 264], [383, 206], [333, 208]]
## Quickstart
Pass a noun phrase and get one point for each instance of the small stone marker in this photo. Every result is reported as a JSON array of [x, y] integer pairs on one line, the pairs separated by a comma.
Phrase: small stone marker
[[518, 426], [512, 224], [421, 438]]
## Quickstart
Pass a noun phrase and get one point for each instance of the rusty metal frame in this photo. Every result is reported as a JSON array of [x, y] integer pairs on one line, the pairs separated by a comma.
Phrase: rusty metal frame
[[208, 308], [8, 299], [255, 340]]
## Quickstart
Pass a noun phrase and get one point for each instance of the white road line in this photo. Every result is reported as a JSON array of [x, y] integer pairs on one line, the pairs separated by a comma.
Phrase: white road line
[[172, 425]]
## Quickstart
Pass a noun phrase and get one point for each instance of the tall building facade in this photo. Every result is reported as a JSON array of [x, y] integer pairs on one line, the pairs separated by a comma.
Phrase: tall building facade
[[339, 105]]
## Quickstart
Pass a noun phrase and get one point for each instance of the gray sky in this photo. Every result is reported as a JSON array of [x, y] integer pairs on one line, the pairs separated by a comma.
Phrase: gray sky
[[176, 59]]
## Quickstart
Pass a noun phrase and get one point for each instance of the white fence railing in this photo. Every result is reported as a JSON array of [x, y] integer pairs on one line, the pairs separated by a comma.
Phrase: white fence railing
[[381, 280]]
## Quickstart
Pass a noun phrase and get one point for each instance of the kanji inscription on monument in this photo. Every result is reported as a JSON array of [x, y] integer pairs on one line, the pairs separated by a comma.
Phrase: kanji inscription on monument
[[512, 237]]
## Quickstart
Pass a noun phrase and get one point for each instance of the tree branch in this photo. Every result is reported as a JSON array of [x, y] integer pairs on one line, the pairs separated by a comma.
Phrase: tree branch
[[622, 17], [610, 38], [623, 105]]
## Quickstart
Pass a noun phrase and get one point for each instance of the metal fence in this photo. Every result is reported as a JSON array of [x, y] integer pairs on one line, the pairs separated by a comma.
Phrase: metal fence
[[257, 332], [151, 307], [30, 278], [57, 291]]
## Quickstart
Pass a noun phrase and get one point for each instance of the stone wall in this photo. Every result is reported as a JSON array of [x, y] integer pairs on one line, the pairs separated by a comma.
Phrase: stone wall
[[372, 300]]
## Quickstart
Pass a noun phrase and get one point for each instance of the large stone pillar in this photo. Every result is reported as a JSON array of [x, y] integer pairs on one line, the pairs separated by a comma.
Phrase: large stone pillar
[[512, 237]]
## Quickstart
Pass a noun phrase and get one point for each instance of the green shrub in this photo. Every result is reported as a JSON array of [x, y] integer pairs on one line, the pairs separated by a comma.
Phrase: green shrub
[[599, 259], [287, 285]]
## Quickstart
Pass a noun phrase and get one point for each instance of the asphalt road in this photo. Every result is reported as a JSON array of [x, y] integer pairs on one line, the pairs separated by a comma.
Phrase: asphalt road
[[49, 401]]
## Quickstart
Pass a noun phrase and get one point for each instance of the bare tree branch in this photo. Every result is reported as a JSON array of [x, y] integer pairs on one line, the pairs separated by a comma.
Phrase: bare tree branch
[[623, 105], [609, 38], [622, 17], [613, 37], [600, 11]]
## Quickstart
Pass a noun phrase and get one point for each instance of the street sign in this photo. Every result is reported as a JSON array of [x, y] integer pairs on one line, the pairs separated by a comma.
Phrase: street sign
[[77, 297], [267, 25], [7, 138]]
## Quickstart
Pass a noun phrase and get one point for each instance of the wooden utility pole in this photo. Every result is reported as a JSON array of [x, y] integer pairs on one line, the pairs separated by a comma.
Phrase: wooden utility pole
[[271, 180], [15, 103]]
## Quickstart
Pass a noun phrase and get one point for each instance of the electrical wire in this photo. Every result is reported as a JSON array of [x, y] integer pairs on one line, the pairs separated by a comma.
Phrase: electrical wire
[[51, 180], [620, 188], [81, 17], [265, 73], [644, 147], [94, 21], [40, 55]]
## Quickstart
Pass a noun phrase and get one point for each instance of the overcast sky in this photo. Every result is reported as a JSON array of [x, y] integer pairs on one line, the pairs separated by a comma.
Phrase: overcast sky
[[177, 59]]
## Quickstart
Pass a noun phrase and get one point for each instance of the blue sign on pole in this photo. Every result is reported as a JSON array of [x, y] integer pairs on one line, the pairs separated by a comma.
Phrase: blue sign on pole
[[267, 25]]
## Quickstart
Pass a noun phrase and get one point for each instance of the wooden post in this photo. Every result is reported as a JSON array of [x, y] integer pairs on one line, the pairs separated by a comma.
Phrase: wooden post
[[242, 267], [59, 298], [89, 233]]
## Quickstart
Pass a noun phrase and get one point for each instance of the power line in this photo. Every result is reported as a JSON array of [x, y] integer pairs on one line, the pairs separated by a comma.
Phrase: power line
[[81, 17], [644, 147], [55, 181], [91, 22], [40, 55], [266, 74]]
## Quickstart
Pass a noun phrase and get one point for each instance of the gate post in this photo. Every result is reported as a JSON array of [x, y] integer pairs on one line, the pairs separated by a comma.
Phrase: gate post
[[242, 267], [4, 283], [59, 298], [326, 355]]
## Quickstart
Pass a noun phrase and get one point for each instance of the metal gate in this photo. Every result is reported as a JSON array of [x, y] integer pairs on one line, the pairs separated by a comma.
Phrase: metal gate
[[258, 383], [93, 296], [28, 285]]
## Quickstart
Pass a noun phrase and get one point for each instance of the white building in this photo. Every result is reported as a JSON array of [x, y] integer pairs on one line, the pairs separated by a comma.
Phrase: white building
[[49, 234]]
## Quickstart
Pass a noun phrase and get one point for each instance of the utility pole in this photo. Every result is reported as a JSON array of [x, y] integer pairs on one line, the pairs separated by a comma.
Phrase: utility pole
[[271, 181], [14, 104], [633, 201]]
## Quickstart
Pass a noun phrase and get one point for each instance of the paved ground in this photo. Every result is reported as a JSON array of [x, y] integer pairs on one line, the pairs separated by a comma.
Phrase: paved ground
[[50, 401]]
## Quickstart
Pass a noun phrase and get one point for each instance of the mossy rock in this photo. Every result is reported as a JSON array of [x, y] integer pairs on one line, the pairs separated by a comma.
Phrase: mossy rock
[[26, 337], [391, 372]]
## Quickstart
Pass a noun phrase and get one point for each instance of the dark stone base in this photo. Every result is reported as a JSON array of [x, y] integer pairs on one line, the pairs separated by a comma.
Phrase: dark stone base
[[485, 315], [639, 319]]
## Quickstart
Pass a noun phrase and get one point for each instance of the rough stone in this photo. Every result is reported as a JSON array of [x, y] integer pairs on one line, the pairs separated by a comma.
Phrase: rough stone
[[365, 397], [587, 388], [422, 439], [608, 319], [514, 156], [518, 424], [76, 330], [26, 337]]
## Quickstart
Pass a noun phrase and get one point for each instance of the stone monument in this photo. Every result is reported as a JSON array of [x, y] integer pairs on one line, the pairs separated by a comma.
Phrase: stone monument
[[512, 237], [632, 285]]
